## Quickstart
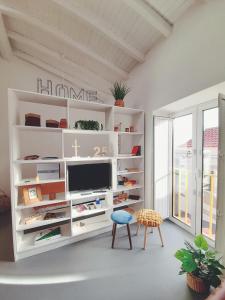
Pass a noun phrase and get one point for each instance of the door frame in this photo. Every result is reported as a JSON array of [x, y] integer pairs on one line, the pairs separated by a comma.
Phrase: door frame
[[182, 113], [199, 134]]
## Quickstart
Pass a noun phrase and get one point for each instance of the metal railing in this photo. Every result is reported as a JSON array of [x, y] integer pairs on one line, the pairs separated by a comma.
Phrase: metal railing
[[180, 192]]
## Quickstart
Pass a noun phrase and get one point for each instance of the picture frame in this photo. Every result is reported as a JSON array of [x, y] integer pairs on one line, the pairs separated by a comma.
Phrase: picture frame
[[31, 194]]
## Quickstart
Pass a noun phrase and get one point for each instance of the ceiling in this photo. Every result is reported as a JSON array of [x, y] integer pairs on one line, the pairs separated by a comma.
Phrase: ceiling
[[90, 43]]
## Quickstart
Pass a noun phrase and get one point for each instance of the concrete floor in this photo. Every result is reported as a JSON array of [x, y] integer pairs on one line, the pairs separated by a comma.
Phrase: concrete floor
[[92, 270]]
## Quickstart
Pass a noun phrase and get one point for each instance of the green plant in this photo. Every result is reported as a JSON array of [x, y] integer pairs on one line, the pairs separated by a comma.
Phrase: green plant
[[88, 125], [119, 90], [200, 261]]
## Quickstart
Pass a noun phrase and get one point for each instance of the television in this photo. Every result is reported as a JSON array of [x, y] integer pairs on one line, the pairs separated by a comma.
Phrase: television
[[89, 177]]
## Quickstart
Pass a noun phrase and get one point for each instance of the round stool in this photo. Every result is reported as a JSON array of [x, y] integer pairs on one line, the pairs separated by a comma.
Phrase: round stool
[[121, 217], [149, 218]]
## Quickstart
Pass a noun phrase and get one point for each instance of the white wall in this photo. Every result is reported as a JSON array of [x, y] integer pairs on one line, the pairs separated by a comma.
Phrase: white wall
[[19, 75], [191, 59]]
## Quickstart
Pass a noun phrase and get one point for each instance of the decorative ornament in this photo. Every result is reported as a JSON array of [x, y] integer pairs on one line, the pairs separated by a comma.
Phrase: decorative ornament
[[75, 146]]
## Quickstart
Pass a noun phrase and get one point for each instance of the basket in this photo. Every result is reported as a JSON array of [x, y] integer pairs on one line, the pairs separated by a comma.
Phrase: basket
[[196, 284]]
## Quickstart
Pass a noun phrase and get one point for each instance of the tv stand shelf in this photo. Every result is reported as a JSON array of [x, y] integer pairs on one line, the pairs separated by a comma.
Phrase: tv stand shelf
[[60, 143]]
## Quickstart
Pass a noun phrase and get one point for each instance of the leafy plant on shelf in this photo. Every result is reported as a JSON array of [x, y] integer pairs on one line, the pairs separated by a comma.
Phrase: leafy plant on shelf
[[200, 262], [119, 90], [88, 125]]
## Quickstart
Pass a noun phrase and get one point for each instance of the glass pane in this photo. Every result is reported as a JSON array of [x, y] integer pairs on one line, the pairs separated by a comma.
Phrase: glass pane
[[182, 168], [209, 179]]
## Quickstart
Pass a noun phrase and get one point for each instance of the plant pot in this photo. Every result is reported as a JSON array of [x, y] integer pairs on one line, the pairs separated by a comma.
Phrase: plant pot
[[119, 102], [196, 284]]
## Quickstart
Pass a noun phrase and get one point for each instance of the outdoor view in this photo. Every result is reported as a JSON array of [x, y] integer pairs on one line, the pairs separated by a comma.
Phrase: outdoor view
[[183, 177]]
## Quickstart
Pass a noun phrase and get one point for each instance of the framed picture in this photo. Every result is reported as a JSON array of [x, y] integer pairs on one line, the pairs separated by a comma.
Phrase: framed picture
[[31, 194]]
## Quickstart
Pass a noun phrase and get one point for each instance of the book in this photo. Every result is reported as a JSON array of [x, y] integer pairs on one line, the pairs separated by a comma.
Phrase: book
[[48, 234]]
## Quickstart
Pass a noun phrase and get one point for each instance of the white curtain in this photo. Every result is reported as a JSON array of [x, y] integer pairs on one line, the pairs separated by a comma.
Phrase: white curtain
[[162, 165]]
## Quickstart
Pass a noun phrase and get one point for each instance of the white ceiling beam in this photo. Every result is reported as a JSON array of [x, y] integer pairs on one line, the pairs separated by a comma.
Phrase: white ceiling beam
[[61, 74], [5, 47], [101, 27], [63, 38], [151, 16], [59, 59]]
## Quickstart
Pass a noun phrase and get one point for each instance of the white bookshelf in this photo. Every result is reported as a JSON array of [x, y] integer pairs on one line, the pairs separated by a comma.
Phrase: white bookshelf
[[57, 142]]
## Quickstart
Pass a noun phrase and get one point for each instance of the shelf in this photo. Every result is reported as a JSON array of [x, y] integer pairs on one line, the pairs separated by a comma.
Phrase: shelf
[[80, 196], [41, 203], [32, 97], [27, 247], [92, 132], [91, 227], [85, 105], [38, 128], [38, 161], [22, 227], [68, 159], [33, 181], [127, 110], [127, 188], [127, 203], [129, 157], [130, 133], [129, 173], [88, 212]]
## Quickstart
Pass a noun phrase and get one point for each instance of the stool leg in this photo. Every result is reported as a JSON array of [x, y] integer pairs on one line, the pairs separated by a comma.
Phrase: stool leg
[[145, 238], [138, 227], [114, 234], [160, 234], [129, 235]]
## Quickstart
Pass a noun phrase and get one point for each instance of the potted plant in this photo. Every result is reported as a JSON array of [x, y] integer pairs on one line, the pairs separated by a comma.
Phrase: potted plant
[[119, 91], [200, 264]]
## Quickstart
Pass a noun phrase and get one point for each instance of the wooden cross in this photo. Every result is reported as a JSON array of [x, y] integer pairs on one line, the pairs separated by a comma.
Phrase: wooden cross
[[75, 146]]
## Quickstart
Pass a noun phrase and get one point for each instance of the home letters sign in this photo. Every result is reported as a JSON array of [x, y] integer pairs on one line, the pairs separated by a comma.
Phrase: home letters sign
[[65, 91]]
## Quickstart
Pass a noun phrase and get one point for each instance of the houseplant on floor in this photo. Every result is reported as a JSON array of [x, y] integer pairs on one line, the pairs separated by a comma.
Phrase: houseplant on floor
[[200, 264], [119, 91]]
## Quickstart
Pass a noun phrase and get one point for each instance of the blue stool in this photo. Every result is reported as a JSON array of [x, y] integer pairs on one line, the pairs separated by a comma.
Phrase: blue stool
[[121, 217]]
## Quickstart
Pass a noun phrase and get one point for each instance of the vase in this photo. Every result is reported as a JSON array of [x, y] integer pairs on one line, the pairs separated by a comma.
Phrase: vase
[[196, 284], [119, 102]]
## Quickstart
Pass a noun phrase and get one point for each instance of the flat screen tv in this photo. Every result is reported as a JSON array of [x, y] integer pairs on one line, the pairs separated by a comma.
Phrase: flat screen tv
[[89, 177]]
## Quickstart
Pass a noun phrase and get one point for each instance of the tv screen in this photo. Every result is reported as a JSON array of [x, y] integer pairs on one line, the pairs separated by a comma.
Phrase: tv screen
[[89, 177]]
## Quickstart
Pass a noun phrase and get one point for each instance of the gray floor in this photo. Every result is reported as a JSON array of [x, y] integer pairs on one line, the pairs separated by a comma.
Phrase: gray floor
[[102, 273]]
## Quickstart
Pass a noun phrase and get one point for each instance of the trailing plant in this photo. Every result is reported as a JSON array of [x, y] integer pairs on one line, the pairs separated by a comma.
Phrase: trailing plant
[[88, 125], [200, 261], [119, 90]]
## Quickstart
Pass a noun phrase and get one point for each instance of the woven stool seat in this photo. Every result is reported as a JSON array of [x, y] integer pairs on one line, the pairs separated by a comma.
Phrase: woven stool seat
[[149, 217]]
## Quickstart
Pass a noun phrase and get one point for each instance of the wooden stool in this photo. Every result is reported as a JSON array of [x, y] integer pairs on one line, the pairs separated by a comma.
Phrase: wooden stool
[[149, 218], [123, 218]]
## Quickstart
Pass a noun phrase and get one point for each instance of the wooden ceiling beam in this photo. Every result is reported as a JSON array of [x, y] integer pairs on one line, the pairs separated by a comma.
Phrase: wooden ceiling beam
[[5, 47], [59, 58], [101, 27], [151, 16], [61, 36]]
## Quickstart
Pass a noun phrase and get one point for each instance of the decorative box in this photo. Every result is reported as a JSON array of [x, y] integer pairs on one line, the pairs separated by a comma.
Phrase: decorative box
[[48, 171], [63, 123], [32, 120], [52, 123]]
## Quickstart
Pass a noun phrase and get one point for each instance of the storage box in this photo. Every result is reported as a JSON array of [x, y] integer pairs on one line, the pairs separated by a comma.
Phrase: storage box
[[48, 171]]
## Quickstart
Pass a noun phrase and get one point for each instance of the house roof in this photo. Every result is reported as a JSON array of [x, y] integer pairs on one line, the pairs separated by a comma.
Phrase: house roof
[[211, 139]]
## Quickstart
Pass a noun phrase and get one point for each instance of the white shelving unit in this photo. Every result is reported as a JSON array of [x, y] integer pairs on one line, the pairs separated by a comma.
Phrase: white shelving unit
[[57, 142]]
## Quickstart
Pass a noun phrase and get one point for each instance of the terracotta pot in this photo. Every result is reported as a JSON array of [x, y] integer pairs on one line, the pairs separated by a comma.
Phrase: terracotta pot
[[196, 284], [119, 102]]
